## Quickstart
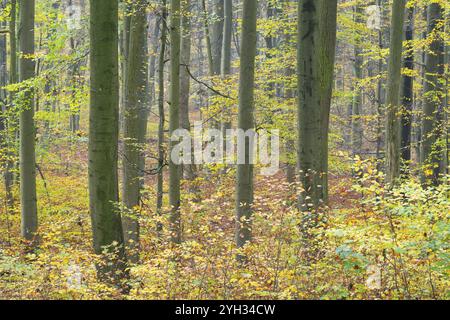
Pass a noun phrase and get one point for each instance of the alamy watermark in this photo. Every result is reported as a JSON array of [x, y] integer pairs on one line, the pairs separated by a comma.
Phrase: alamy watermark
[[227, 147]]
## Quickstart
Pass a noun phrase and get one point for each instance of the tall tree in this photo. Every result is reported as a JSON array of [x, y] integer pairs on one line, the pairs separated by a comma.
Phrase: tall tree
[[9, 178], [174, 121], [207, 38], [4, 108], [316, 52], [134, 112], [393, 139], [432, 121], [103, 139], [225, 67], [407, 91], [124, 52], [161, 92], [244, 187], [357, 133], [185, 78], [27, 127], [217, 35]]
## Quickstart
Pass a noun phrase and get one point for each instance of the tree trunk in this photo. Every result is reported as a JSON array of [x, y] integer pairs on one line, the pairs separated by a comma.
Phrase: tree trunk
[[244, 188], [9, 176], [207, 39], [134, 112], [124, 51], [27, 127], [225, 65], [103, 140], [393, 139], [162, 53], [185, 79], [433, 113], [381, 95], [407, 94], [4, 132], [316, 53], [357, 134], [225, 68], [174, 169], [217, 35]]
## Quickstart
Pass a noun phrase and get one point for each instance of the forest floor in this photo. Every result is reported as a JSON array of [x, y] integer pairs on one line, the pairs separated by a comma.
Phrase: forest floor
[[370, 246]]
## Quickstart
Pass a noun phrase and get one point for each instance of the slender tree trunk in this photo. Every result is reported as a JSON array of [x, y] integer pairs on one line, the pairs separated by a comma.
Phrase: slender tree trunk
[[432, 122], [316, 53], [208, 39], [217, 35], [393, 139], [103, 140], [407, 93], [244, 187], [9, 177], [27, 127], [381, 95], [225, 65], [225, 68], [134, 112], [125, 49], [185, 79], [4, 132], [153, 39], [357, 134], [174, 169], [162, 53]]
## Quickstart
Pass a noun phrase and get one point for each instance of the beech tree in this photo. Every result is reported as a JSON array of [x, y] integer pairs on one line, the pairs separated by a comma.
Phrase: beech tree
[[174, 121], [407, 91], [433, 111], [28, 199], [316, 50], [393, 131], [134, 113], [244, 178], [103, 140]]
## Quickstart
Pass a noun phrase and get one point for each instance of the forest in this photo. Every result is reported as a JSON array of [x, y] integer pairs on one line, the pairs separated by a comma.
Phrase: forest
[[224, 150]]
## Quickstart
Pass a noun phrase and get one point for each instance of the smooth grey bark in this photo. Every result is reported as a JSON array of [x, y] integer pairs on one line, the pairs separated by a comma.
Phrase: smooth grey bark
[[407, 92], [134, 132], [124, 47], [244, 183], [185, 79], [225, 66], [381, 94], [103, 141], [207, 39], [161, 88], [432, 121], [4, 117], [393, 107], [151, 95], [316, 54], [356, 121], [28, 198], [13, 45], [74, 75], [217, 35], [174, 121]]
